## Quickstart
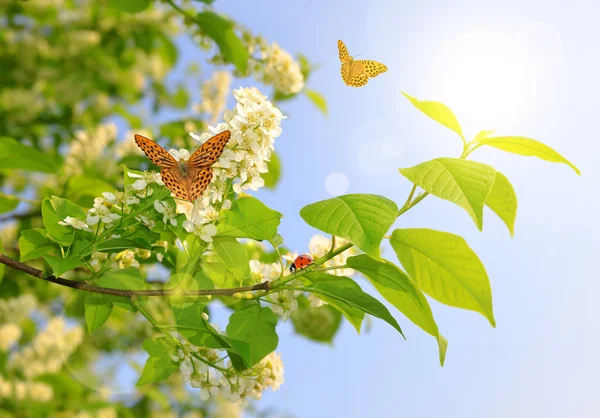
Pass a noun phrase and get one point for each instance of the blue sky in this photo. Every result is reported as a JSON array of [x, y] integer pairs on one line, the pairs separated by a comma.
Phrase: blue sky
[[542, 359]]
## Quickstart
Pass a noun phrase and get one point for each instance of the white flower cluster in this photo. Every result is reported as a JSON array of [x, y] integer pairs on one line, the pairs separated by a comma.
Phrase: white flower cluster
[[280, 70], [223, 382], [214, 95], [9, 335], [15, 310], [87, 147], [49, 350], [284, 302], [127, 146], [254, 125], [25, 391], [319, 245]]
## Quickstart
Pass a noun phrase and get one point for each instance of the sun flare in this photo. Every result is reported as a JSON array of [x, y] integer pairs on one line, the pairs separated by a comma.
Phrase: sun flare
[[487, 79]]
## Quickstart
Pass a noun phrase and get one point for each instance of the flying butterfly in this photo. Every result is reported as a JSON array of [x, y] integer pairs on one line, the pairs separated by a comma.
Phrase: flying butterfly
[[186, 179], [356, 73]]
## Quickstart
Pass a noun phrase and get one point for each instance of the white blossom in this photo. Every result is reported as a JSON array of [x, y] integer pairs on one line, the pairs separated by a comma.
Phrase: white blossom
[[9, 335], [167, 211], [319, 245], [214, 95], [281, 70], [127, 259], [15, 310], [49, 350], [204, 231], [180, 155], [144, 179], [87, 147], [284, 302], [120, 199], [75, 223], [100, 212]]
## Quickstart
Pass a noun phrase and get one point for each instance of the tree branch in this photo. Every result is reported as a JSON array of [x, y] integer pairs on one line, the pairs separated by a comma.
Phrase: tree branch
[[127, 293]]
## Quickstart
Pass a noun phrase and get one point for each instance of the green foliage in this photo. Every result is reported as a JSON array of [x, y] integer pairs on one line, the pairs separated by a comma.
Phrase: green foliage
[[337, 288], [223, 33], [234, 258], [399, 290], [250, 218], [273, 176], [60, 265], [316, 323], [362, 219], [317, 99], [465, 183], [130, 6], [34, 243], [159, 365], [16, 155], [526, 146], [97, 310], [55, 210], [123, 279], [444, 267], [437, 111], [503, 201], [256, 327], [8, 203]]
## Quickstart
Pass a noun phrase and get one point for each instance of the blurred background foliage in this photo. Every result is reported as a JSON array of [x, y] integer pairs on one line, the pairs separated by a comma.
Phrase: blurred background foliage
[[77, 78]]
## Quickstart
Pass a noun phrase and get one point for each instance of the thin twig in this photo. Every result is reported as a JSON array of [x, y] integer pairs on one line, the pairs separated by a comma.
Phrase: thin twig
[[127, 293]]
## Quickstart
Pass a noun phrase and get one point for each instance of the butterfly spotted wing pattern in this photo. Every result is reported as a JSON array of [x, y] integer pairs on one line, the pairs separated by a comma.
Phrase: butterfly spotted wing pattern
[[157, 154], [187, 180], [356, 73], [210, 151]]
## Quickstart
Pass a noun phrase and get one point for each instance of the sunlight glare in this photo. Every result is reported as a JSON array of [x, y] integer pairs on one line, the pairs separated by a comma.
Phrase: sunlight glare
[[487, 79]]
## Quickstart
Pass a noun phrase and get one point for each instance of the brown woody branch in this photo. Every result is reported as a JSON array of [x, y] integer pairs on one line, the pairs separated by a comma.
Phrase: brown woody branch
[[39, 274]]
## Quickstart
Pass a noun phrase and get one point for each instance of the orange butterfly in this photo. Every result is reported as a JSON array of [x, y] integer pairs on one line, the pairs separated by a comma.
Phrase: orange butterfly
[[356, 73], [186, 179]]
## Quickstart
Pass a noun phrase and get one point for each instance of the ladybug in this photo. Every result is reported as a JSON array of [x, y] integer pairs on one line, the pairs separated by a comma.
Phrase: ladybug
[[300, 262]]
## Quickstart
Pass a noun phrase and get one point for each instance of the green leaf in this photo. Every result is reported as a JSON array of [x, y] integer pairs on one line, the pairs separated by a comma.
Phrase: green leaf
[[55, 210], [363, 219], [336, 287], [222, 32], [34, 243], [97, 310], [437, 111], [87, 186], [195, 328], [206, 1], [60, 265], [399, 290], [528, 147], [272, 177], [445, 268], [2, 266], [234, 257], [120, 244], [353, 314], [317, 99], [126, 279], [249, 218], [466, 183], [256, 326], [483, 135], [13, 154], [130, 6], [503, 201], [317, 324], [159, 365], [8, 202]]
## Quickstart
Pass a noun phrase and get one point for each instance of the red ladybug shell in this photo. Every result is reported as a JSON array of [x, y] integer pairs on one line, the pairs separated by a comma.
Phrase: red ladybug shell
[[300, 262]]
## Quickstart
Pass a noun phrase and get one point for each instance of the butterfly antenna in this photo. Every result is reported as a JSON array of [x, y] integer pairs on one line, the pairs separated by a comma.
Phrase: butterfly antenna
[[358, 55]]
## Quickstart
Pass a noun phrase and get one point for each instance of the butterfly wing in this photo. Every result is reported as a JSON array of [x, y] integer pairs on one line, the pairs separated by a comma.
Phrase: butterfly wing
[[358, 80], [344, 56], [210, 151], [373, 68], [346, 72], [175, 181], [199, 179], [157, 154]]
